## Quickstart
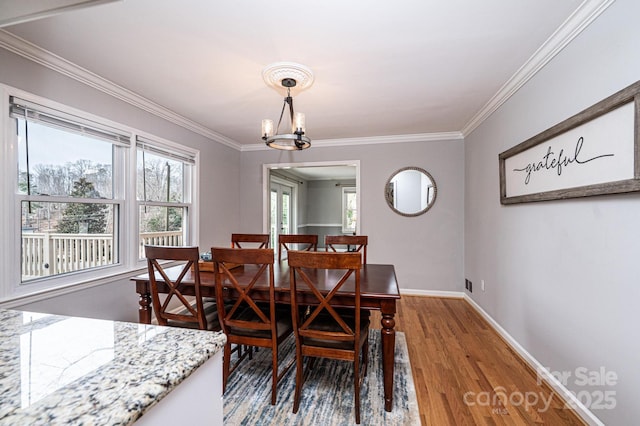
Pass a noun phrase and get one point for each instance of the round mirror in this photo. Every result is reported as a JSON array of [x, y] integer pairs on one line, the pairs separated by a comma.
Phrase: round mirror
[[411, 191]]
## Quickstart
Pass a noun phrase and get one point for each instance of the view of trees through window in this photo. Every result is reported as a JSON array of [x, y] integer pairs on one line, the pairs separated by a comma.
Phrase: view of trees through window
[[69, 208], [49, 166], [61, 177], [80, 218], [159, 180]]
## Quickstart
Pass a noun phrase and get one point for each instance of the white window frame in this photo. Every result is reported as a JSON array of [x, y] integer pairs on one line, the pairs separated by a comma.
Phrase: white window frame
[[124, 195]]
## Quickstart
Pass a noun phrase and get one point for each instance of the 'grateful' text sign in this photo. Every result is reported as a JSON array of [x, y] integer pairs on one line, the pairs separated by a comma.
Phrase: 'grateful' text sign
[[592, 153]]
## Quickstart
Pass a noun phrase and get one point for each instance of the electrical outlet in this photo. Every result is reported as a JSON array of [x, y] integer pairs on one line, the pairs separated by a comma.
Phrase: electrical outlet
[[468, 285], [482, 285]]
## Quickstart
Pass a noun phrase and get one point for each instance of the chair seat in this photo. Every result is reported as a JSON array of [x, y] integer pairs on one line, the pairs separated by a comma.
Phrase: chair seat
[[284, 325], [210, 312], [325, 322]]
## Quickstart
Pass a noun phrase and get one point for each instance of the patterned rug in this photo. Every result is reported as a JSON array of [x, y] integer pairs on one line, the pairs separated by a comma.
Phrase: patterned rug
[[327, 393]]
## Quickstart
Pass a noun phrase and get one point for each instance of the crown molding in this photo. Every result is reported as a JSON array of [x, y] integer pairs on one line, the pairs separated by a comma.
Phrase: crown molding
[[588, 11], [327, 143], [18, 11], [56, 63]]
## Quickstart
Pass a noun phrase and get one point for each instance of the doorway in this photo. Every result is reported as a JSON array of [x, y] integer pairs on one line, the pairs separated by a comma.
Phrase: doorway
[[287, 197]]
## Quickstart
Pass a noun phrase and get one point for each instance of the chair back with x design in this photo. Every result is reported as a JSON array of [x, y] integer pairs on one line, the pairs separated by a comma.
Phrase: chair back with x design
[[309, 242], [187, 313], [223, 260], [258, 240], [357, 243]]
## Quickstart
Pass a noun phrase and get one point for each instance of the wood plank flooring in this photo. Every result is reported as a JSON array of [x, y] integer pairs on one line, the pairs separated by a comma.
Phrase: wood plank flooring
[[465, 373]]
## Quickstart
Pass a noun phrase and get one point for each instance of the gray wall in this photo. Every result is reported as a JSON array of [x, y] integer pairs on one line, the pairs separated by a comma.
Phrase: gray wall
[[324, 202], [562, 276], [426, 250], [219, 178], [323, 206]]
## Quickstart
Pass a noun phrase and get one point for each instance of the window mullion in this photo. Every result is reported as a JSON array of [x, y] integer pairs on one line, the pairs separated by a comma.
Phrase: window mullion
[[162, 204], [66, 200]]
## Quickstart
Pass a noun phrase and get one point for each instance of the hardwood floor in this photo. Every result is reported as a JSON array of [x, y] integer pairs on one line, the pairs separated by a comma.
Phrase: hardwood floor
[[465, 374]]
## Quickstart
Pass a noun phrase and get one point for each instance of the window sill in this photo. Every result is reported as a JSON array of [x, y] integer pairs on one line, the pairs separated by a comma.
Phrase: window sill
[[22, 295]]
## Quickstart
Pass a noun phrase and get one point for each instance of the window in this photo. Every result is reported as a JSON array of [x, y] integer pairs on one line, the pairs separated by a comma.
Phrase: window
[[79, 211], [349, 210], [69, 210], [163, 198]]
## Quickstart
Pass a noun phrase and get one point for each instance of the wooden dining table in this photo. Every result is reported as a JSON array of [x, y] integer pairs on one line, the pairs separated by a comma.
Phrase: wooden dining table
[[378, 291]]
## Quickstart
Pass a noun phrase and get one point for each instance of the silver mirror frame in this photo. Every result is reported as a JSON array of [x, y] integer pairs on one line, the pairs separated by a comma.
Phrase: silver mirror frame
[[389, 197]]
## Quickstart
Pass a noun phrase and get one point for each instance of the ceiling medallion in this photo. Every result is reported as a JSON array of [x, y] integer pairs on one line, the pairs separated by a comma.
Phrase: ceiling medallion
[[274, 74]]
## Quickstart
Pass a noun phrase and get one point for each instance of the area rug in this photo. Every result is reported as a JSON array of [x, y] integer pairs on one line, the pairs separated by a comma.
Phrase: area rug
[[327, 394]]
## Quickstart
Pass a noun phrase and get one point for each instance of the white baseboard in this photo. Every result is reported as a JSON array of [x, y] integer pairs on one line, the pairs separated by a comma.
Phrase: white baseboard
[[432, 293], [552, 381]]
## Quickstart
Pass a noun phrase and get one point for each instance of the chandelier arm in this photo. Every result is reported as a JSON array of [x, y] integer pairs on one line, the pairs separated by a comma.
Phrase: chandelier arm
[[284, 105], [290, 102]]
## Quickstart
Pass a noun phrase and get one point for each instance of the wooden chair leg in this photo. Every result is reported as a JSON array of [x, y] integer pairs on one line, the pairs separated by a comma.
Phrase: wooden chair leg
[[356, 385], [274, 372], [226, 364], [366, 355], [299, 378]]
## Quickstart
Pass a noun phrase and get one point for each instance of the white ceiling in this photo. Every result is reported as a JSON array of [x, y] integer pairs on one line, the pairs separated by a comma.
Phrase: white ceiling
[[382, 68]]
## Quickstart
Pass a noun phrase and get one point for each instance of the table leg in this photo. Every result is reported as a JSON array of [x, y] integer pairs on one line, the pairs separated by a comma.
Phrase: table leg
[[388, 333], [144, 311]]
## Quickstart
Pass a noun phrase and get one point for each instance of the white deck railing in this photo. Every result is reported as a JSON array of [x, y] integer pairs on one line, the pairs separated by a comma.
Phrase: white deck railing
[[45, 253]]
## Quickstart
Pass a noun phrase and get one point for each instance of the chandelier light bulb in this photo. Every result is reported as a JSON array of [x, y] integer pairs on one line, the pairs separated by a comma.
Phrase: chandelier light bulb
[[267, 128], [299, 124]]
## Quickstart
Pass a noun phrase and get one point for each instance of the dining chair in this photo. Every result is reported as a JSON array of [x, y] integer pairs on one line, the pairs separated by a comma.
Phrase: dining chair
[[324, 332], [309, 241], [172, 306], [247, 322], [261, 239], [357, 243]]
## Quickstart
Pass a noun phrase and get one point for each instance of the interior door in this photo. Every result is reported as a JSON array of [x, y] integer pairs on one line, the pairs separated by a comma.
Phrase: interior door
[[281, 201]]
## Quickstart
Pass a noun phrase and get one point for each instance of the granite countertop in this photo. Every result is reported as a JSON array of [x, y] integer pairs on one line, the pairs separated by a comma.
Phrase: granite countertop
[[57, 370]]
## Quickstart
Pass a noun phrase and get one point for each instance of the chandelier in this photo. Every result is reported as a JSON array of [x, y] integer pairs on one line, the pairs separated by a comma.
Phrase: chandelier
[[285, 76]]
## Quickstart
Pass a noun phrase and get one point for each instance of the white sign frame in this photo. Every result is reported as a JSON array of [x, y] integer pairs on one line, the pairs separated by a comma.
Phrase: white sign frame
[[595, 152]]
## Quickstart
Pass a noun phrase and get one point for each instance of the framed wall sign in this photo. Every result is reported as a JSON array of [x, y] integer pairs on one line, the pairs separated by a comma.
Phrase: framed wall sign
[[595, 152]]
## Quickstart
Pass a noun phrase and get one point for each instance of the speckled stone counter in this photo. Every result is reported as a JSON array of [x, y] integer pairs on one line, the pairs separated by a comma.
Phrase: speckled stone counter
[[57, 370]]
